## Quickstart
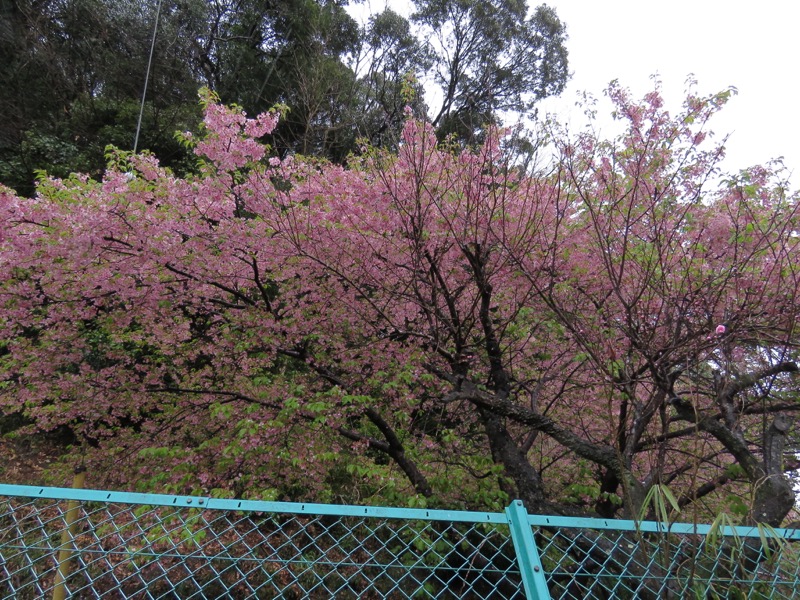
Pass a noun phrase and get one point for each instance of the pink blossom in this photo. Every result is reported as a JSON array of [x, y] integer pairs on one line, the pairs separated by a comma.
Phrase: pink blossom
[[180, 304]]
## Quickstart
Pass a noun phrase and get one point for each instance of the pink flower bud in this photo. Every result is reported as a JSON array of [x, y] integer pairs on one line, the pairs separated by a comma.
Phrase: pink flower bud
[[720, 329]]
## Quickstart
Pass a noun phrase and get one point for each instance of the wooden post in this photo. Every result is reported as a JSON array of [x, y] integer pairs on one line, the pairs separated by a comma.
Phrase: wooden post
[[65, 551]]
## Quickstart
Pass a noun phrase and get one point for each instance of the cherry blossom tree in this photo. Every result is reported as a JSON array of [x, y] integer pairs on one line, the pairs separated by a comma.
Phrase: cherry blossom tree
[[430, 325]]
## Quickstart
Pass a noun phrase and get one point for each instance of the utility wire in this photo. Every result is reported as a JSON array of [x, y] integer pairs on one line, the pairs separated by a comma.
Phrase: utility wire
[[147, 78]]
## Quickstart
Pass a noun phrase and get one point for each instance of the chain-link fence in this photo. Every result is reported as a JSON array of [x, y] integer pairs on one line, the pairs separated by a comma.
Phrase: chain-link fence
[[61, 543], [624, 560]]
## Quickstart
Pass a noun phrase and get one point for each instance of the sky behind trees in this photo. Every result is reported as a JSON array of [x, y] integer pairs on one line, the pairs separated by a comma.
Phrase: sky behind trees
[[723, 44]]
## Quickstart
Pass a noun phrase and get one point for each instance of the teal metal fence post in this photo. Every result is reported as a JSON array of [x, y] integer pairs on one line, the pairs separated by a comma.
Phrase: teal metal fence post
[[527, 555]]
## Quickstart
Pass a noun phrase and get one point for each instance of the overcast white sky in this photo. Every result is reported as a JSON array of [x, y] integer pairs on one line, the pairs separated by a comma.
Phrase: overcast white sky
[[754, 47]]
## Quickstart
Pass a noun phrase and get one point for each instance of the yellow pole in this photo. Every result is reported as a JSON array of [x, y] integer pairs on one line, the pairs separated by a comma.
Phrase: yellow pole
[[65, 550]]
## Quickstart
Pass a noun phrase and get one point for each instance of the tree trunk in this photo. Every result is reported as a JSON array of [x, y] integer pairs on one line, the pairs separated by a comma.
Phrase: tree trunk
[[774, 497], [505, 451]]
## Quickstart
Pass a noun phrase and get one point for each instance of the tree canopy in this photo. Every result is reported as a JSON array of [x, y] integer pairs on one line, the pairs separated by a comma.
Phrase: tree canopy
[[427, 325], [75, 71], [489, 57]]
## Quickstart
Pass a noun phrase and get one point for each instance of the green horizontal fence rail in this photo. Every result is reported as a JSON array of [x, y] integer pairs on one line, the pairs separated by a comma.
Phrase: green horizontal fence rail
[[69, 543]]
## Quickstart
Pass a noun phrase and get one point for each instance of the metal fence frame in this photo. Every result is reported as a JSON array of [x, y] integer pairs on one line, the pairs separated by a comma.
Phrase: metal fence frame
[[533, 565]]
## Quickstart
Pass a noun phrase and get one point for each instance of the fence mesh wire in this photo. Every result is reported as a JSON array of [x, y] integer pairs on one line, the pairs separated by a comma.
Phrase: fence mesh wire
[[639, 564], [178, 547], [144, 552]]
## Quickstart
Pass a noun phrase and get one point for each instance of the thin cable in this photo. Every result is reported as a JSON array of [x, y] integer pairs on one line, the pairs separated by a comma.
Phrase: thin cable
[[147, 78]]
